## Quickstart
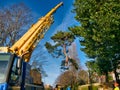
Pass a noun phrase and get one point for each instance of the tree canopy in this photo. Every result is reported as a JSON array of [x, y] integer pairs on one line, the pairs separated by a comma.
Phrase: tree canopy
[[99, 30], [62, 41]]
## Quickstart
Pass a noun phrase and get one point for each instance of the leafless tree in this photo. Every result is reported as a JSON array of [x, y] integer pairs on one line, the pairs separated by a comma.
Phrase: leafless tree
[[73, 55], [83, 77], [14, 20], [39, 60], [67, 78]]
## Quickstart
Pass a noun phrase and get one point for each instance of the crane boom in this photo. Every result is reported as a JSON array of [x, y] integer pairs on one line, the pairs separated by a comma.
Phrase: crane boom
[[29, 40], [15, 73]]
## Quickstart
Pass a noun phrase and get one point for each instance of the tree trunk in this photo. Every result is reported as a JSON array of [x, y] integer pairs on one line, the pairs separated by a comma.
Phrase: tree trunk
[[106, 74], [66, 56]]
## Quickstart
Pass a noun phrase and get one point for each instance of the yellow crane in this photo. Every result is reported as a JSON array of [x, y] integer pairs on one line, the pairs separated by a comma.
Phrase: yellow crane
[[13, 59]]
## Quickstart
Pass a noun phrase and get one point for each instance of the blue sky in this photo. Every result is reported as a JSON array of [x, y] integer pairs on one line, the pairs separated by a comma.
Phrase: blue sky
[[63, 19]]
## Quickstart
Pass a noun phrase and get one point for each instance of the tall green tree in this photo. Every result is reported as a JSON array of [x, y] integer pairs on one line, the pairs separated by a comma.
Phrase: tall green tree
[[62, 41], [99, 30], [98, 67]]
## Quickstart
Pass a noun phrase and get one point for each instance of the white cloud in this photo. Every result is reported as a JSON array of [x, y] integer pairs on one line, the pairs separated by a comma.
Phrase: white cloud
[[67, 21]]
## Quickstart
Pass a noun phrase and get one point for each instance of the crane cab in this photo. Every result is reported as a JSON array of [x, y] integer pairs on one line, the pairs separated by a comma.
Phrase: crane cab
[[10, 71]]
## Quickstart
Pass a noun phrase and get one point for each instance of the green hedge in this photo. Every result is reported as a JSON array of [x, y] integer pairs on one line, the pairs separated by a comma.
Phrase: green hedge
[[87, 87]]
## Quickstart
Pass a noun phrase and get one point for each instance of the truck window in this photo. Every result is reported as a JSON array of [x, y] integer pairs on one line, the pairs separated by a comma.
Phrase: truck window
[[4, 58], [14, 77]]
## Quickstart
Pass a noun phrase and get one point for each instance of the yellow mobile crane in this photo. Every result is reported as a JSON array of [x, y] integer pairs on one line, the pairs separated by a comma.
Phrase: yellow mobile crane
[[13, 60]]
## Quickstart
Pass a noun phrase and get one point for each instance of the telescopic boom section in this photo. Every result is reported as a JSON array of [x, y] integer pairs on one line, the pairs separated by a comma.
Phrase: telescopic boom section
[[26, 44]]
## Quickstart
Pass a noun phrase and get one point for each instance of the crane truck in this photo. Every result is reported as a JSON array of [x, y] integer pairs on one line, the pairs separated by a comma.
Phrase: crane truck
[[14, 59]]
